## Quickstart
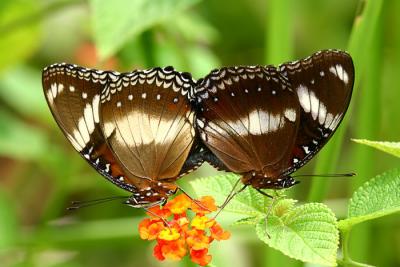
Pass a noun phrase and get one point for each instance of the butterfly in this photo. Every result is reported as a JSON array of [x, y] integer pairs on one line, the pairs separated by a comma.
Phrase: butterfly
[[265, 122], [135, 129]]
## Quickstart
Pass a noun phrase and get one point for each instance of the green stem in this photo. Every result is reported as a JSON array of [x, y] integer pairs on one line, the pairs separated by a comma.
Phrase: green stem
[[361, 37]]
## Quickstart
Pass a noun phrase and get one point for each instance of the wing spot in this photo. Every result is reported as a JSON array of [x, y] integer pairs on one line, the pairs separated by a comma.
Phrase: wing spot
[[246, 91], [322, 73], [312, 81], [144, 95], [259, 89], [130, 97], [84, 95], [306, 149], [295, 160], [176, 100], [119, 104], [232, 94], [290, 114], [107, 167], [158, 97], [273, 92], [215, 99]]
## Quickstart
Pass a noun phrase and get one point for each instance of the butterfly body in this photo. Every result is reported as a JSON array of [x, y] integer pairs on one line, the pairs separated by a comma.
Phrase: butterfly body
[[265, 122]]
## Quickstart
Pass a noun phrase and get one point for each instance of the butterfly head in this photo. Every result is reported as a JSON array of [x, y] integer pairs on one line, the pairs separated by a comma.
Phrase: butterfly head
[[156, 194], [260, 180]]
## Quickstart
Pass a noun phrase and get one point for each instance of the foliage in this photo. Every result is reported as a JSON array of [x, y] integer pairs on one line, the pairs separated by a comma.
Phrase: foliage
[[40, 172]]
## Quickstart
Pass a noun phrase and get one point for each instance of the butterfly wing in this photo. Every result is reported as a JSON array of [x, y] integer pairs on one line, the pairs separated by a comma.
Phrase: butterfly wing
[[73, 95], [148, 122], [323, 84], [248, 118]]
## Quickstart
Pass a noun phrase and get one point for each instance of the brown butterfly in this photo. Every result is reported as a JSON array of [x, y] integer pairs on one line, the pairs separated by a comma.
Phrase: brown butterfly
[[136, 129], [265, 122]]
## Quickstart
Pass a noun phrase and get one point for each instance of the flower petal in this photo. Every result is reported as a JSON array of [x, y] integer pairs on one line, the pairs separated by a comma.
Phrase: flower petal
[[174, 250], [169, 234], [205, 205], [179, 204], [218, 233], [200, 257]]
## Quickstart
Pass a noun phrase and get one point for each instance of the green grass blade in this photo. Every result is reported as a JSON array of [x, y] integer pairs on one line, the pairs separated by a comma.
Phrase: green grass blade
[[360, 41]]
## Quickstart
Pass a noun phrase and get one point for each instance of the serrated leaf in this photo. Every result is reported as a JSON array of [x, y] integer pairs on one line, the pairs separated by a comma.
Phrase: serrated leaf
[[282, 206], [392, 148], [248, 202], [115, 22], [308, 233], [378, 197]]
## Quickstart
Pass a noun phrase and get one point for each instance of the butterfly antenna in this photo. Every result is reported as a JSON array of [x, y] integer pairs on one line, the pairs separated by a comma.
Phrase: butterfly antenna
[[350, 174], [231, 195], [83, 204]]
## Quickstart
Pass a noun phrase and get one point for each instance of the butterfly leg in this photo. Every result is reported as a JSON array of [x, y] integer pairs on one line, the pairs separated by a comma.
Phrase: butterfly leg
[[231, 195], [147, 209], [263, 193], [274, 199], [198, 203]]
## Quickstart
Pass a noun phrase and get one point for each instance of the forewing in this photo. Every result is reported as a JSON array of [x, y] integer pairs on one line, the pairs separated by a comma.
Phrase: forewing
[[148, 121], [247, 117], [323, 84], [73, 95]]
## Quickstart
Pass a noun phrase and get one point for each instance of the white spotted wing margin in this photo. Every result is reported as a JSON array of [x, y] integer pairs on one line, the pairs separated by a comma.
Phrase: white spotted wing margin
[[73, 95], [323, 83]]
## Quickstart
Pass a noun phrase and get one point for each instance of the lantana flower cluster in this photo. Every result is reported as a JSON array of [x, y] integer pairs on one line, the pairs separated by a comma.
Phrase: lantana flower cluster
[[179, 233]]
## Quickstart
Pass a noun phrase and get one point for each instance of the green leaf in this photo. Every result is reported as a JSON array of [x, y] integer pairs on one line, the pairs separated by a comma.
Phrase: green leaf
[[308, 233], [248, 202], [8, 222], [392, 148], [21, 88], [378, 197], [15, 135], [115, 22], [19, 37]]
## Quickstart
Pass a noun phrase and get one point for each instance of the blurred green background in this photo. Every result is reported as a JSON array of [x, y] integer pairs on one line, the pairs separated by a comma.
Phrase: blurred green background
[[40, 173]]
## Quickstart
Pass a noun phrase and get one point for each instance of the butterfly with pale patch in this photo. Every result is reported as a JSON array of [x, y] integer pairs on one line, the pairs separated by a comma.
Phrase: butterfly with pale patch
[[265, 122], [136, 128]]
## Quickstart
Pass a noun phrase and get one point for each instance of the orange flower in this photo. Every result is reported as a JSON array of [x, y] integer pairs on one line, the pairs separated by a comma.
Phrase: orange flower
[[200, 257], [218, 233], [157, 253], [157, 212], [168, 234], [201, 222], [174, 250], [205, 205], [179, 204], [150, 228], [196, 239], [176, 234]]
